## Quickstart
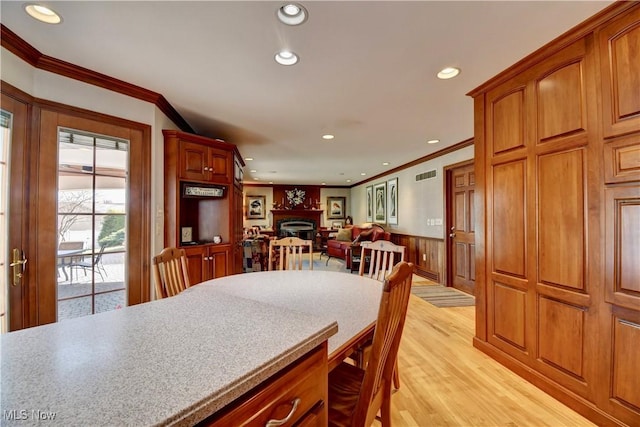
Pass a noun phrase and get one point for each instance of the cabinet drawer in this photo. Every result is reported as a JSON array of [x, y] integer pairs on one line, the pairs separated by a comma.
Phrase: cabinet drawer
[[303, 384]]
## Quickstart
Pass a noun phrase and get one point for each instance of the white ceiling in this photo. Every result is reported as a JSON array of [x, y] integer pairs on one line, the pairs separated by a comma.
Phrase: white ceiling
[[366, 72]]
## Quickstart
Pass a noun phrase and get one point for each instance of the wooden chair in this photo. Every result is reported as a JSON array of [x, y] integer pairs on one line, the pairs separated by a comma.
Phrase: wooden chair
[[356, 394], [289, 252], [170, 272], [381, 256]]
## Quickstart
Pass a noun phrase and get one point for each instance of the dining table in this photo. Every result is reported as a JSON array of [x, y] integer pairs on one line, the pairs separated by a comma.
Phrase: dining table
[[179, 360]]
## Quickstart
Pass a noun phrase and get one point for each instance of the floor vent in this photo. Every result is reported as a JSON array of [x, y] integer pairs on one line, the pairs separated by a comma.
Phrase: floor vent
[[426, 175]]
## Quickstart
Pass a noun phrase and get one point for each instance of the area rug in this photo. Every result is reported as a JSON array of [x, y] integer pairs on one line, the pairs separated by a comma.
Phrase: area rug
[[442, 296]]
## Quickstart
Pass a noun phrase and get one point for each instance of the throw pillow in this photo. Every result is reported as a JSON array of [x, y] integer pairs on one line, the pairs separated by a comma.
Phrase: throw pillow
[[344, 235]]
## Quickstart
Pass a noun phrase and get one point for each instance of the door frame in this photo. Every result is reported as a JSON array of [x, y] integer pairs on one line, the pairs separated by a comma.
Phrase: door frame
[[448, 183], [41, 236]]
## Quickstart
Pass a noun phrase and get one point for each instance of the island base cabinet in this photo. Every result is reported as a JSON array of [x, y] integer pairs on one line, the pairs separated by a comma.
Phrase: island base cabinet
[[296, 394]]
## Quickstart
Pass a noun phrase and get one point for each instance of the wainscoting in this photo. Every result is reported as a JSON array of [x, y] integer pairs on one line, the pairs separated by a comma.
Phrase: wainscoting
[[426, 253]]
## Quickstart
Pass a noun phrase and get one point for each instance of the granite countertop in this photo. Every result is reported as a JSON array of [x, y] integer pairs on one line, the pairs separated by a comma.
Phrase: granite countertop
[[167, 362]]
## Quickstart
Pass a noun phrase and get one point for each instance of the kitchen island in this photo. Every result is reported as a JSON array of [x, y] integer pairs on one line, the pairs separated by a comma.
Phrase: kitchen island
[[199, 354]]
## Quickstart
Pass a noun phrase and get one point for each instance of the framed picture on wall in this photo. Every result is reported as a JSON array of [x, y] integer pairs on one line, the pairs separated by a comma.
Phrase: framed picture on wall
[[380, 202], [256, 207], [370, 203], [392, 201], [336, 207]]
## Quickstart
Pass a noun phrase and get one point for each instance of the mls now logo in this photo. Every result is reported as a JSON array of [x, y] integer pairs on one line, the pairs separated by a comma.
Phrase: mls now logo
[[15, 414]]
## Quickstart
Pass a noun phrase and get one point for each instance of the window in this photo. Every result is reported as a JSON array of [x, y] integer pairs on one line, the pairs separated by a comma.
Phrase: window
[[92, 217]]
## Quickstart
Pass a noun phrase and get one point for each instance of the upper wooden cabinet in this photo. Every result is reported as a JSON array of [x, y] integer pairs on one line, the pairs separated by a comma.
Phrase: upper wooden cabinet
[[203, 163], [619, 43], [211, 166]]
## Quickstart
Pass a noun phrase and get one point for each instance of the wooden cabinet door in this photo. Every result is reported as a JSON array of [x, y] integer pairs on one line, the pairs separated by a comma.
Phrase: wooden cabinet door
[[619, 43], [197, 264], [218, 166], [194, 160], [218, 262]]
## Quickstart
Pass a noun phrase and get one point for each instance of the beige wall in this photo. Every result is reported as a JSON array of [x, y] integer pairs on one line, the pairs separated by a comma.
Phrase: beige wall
[[420, 203], [53, 87]]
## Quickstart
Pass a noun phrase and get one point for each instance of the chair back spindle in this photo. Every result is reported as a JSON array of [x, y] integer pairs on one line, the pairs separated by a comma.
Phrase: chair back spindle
[[289, 253], [382, 255], [170, 272]]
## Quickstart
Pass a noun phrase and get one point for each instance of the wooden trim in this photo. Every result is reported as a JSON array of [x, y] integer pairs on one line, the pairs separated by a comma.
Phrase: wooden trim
[[417, 246], [455, 147], [252, 185], [19, 47], [568, 37]]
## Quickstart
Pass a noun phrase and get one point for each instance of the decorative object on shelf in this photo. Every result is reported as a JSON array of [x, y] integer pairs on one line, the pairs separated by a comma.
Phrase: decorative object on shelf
[[392, 202], [370, 203], [380, 202], [336, 225], [186, 234], [295, 197], [336, 207], [256, 207]]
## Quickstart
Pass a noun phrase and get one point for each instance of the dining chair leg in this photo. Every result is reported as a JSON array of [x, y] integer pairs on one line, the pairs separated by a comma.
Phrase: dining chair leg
[[385, 408]]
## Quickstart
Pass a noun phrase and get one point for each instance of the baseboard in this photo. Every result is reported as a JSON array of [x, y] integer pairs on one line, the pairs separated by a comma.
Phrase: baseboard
[[579, 404]]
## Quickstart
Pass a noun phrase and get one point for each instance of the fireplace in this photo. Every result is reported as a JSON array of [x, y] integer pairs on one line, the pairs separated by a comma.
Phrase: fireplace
[[303, 228]]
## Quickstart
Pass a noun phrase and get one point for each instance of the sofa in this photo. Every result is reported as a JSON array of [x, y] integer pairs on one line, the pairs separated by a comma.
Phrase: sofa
[[340, 246]]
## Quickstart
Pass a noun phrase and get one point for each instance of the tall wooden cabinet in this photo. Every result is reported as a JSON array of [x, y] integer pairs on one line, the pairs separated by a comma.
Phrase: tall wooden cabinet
[[558, 207], [203, 189]]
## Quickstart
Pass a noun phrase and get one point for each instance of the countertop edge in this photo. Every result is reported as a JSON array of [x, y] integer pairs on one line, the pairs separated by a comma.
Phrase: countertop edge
[[212, 404]]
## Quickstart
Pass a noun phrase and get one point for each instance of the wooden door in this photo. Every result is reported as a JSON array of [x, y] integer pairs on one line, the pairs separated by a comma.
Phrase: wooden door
[[14, 160], [460, 181]]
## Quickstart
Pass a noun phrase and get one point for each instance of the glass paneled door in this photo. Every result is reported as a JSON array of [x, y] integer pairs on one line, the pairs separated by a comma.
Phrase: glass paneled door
[[92, 216]]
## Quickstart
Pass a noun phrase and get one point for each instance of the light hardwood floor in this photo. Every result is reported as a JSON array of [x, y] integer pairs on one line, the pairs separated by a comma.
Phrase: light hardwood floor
[[445, 381]]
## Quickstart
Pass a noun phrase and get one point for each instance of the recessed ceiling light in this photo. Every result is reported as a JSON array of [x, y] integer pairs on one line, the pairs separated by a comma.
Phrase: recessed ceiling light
[[448, 73], [348, 180], [292, 14], [385, 163], [248, 159], [328, 136], [286, 57], [253, 171], [42, 13], [433, 141], [270, 182], [324, 183], [362, 173]]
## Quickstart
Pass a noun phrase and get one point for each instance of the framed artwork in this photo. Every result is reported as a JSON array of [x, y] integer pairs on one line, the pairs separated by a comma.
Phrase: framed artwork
[[336, 224], [370, 203], [256, 207], [336, 207], [380, 202], [392, 201]]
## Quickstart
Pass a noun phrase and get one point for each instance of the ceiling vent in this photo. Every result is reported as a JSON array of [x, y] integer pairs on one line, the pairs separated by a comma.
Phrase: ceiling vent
[[426, 175]]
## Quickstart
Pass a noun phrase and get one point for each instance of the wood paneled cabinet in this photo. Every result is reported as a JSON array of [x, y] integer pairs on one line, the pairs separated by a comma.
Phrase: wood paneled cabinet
[[207, 262], [295, 396], [203, 189], [202, 163], [558, 207]]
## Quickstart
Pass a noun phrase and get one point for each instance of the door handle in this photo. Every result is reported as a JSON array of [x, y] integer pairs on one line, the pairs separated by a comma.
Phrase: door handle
[[18, 262], [452, 235]]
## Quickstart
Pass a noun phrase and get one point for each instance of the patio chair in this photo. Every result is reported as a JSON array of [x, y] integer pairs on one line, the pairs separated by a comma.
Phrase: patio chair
[[91, 265]]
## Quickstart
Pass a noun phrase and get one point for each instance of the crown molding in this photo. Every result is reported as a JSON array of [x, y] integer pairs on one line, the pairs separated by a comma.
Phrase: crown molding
[[19, 47]]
